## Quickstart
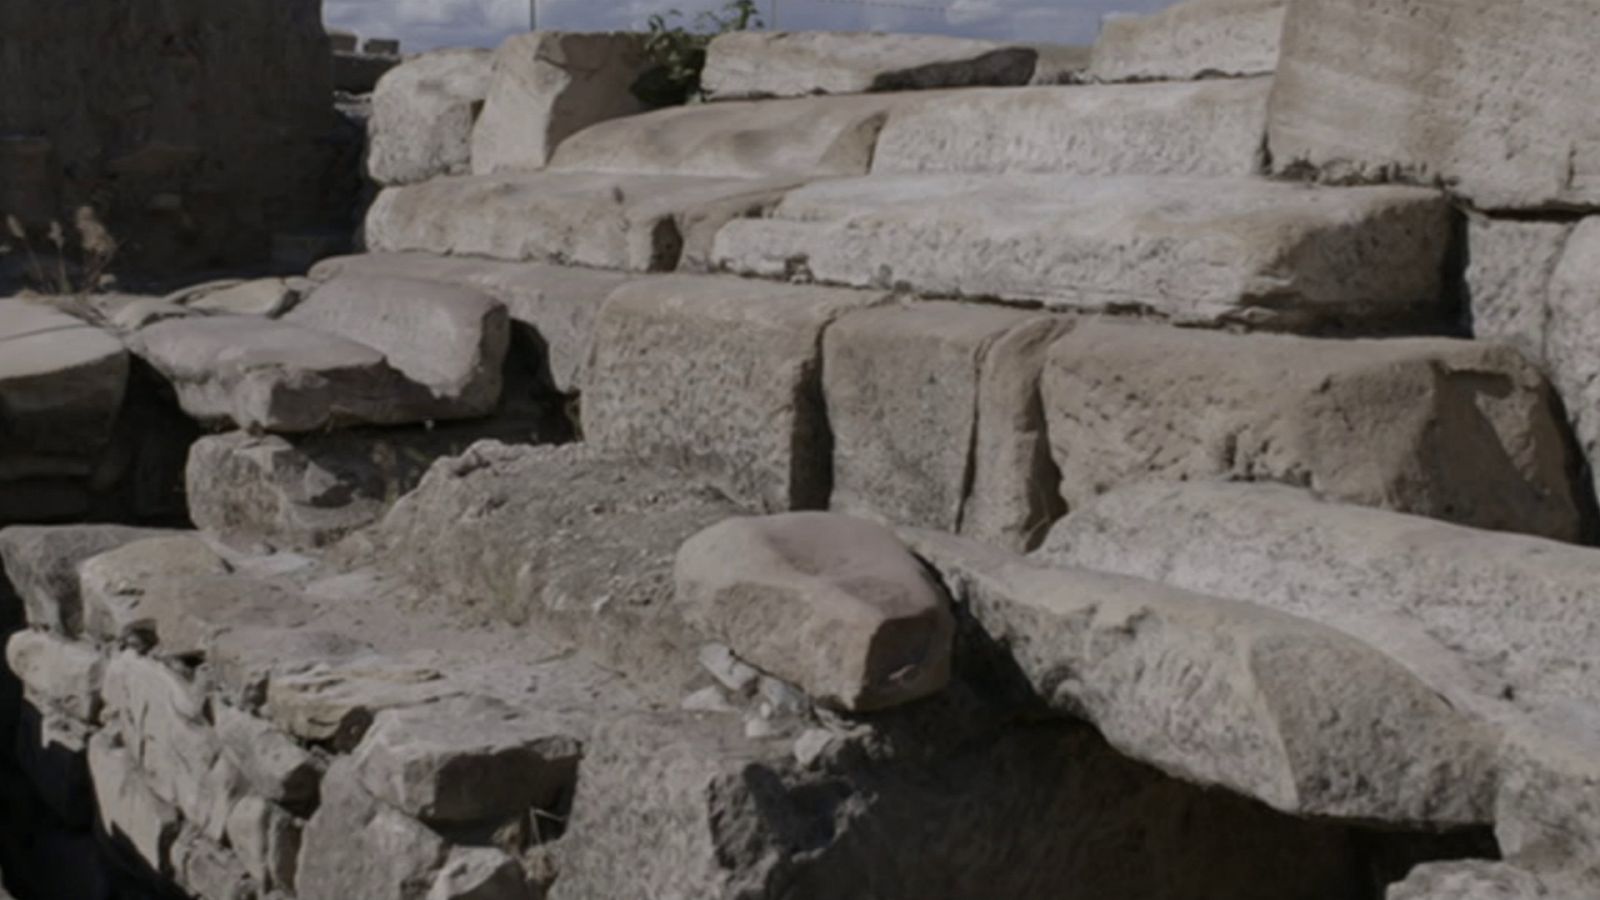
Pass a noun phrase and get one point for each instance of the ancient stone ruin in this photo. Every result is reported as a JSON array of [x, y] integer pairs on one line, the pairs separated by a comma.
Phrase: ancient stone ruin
[[922, 471]]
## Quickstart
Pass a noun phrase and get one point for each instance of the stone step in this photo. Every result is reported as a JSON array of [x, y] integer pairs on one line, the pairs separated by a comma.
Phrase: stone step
[[1192, 39], [637, 223], [758, 64], [1193, 250]]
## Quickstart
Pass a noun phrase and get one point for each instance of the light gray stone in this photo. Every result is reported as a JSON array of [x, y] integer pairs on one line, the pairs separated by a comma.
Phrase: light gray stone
[[1443, 91], [479, 873], [1547, 819], [423, 112], [1471, 880], [935, 417], [64, 673], [162, 722], [720, 376], [266, 840], [277, 768], [115, 584], [1570, 329], [269, 297], [209, 871], [356, 848], [1507, 616], [336, 702], [636, 223], [546, 86], [1192, 39], [1221, 692], [130, 811], [466, 760], [62, 384], [1200, 129], [755, 64], [1194, 250], [450, 340], [831, 603], [1463, 431], [42, 566]]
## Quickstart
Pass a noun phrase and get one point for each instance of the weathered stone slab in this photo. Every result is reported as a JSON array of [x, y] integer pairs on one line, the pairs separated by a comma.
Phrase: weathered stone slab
[[65, 674], [1204, 128], [1192, 39], [637, 223], [466, 760], [1512, 616], [1195, 250], [270, 297], [808, 137], [721, 376], [1463, 431], [1443, 91], [834, 604], [128, 808], [450, 340], [42, 565], [1547, 819], [1221, 692], [62, 384], [123, 588], [356, 848], [423, 112], [935, 416], [546, 86], [552, 308], [755, 64]]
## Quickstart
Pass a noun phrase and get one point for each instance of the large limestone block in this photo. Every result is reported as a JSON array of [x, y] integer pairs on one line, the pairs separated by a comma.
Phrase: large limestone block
[[721, 376], [546, 86], [62, 384], [423, 112], [1192, 39], [1204, 128], [129, 810], [935, 414], [465, 761], [834, 604], [42, 566], [1510, 267], [1463, 431], [804, 137], [637, 223], [755, 64], [358, 848], [1512, 616], [1222, 692], [1488, 97], [552, 308], [450, 340], [1195, 250]]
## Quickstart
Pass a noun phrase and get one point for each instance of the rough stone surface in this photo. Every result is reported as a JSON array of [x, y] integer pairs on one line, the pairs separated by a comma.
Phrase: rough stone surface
[[1510, 265], [755, 64], [720, 376], [423, 113], [1478, 614], [1205, 128], [1472, 881], [1548, 815], [270, 297], [42, 565], [1192, 39], [546, 86], [64, 673], [479, 873], [277, 769], [62, 385], [1456, 94], [1294, 714], [130, 811], [1462, 431], [1194, 250], [935, 414], [637, 223], [831, 603], [356, 848]]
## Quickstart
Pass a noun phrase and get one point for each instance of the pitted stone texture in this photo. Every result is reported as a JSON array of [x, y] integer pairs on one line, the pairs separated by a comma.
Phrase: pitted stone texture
[[575, 545], [552, 308], [834, 604], [637, 223], [357, 848], [755, 64], [129, 810], [546, 86], [720, 376], [161, 719], [1456, 430], [466, 760], [450, 340], [935, 414], [64, 674], [62, 384], [336, 702], [1505, 615], [807, 137], [1510, 267], [42, 565], [423, 112], [1205, 251], [1202, 129], [1472, 880], [1192, 39], [1221, 692], [269, 297], [1548, 816], [1443, 91]]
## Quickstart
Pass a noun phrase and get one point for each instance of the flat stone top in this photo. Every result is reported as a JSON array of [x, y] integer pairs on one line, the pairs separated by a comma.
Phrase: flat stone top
[[748, 302], [750, 64], [202, 345], [35, 340]]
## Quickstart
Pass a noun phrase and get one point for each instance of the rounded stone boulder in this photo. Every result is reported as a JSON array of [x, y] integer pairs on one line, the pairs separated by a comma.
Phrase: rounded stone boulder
[[834, 604]]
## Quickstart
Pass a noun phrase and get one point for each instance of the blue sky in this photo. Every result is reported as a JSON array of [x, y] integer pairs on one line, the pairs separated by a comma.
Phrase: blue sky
[[424, 24]]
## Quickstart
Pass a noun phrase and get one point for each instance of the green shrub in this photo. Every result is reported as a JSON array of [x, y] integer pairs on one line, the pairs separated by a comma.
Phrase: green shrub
[[680, 52]]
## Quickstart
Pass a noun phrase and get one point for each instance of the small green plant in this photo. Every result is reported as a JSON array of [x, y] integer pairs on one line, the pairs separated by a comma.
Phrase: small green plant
[[679, 52]]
